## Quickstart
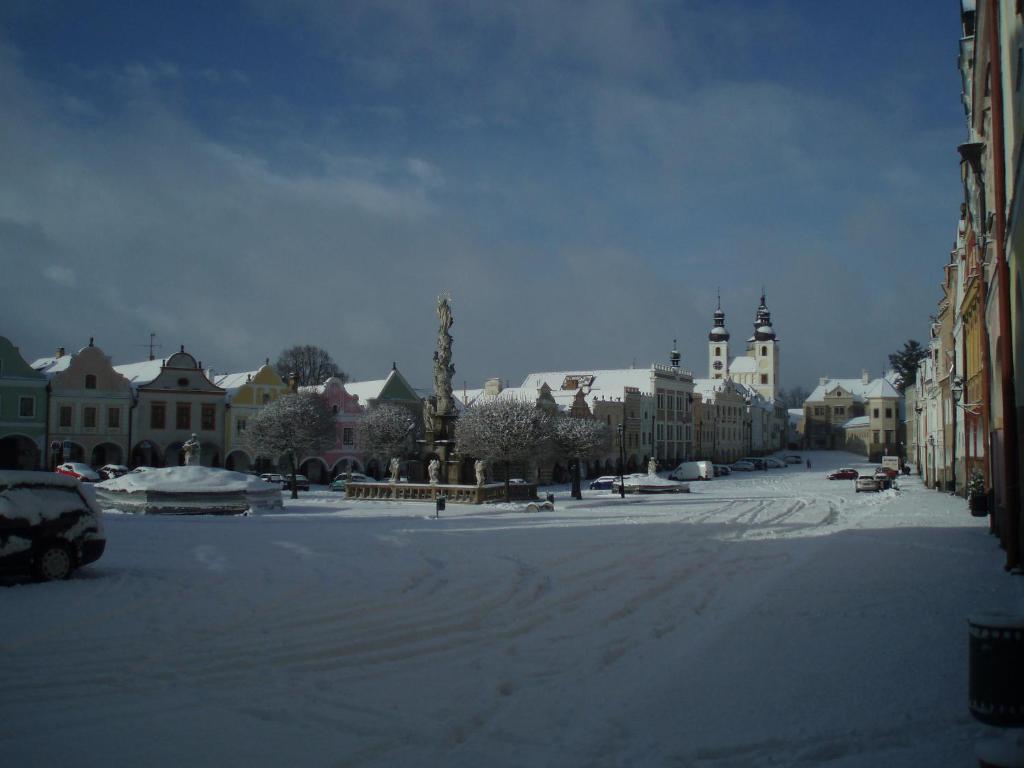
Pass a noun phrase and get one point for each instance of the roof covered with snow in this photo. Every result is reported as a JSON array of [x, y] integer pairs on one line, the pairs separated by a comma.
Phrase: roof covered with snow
[[856, 421], [860, 390], [142, 373], [607, 383], [232, 382], [52, 365], [743, 364]]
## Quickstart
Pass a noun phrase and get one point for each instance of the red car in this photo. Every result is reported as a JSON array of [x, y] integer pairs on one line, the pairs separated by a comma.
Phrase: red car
[[889, 472], [79, 471], [843, 474]]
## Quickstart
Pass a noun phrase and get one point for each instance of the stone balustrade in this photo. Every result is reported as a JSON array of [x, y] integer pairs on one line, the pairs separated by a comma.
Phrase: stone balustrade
[[455, 494]]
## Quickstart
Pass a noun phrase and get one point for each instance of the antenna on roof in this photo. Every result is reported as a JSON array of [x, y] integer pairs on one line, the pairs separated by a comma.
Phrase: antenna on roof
[[152, 345]]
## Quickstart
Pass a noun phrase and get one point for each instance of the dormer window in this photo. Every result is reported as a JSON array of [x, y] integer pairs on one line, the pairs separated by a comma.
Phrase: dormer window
[[182, 382], [90, 381]]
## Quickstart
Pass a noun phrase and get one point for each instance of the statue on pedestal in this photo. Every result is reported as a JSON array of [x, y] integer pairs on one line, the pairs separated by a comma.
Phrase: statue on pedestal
[[480, 467], [191, 451], [652, 466], [394, 469], [434, 470]]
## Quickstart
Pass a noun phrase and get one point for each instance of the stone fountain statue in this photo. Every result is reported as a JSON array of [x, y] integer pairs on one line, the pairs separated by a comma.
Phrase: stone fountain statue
[[480, 467], [191, 450], [652, 466], [395, 464], [434, 470]]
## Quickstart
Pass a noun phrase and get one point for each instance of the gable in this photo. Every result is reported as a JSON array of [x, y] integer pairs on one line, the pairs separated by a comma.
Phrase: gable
[[397, 388], [13, 364]]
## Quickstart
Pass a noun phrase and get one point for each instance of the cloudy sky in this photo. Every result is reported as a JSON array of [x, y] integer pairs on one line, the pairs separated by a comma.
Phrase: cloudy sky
[[581, 176]]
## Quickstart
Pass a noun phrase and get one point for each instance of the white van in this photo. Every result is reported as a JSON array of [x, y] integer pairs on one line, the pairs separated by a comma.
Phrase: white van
[[693, 470]]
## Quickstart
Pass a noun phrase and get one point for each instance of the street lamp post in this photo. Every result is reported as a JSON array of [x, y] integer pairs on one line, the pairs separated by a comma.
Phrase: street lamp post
[[622, 461], [931, 442], [918, 409]]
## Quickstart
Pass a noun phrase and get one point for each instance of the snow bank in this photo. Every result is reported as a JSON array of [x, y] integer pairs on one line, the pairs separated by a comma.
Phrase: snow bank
[[185, 479]]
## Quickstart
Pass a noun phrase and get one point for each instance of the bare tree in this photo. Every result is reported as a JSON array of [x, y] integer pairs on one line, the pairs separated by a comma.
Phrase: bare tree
[[502, 429], [383, 432], [579, 439], [296, 424], [312, 365]]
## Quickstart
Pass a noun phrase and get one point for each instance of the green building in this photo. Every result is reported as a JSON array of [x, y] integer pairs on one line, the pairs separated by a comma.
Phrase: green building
[[23, 402]]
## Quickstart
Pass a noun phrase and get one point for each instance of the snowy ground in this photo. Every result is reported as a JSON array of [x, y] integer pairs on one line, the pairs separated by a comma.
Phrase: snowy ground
[[769, 619]]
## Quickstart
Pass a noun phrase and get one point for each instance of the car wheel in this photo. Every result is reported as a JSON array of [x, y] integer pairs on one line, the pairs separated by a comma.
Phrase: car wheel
[[53, 563]]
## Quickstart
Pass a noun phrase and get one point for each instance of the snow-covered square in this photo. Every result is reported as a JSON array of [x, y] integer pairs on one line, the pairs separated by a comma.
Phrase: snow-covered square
[[770, 618]]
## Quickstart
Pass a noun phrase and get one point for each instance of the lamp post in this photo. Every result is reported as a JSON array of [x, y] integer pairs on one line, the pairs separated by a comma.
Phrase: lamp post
[[622, 461]]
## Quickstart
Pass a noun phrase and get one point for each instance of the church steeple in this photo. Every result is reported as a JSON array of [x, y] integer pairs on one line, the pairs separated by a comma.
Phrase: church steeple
[[718, 332], [675, 356], [763, 330]]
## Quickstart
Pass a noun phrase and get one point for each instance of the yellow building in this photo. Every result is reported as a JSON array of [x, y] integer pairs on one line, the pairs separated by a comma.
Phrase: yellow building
[[247, 393]]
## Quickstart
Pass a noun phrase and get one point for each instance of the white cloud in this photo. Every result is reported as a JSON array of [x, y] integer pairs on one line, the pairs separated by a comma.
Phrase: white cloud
[[60, 275]]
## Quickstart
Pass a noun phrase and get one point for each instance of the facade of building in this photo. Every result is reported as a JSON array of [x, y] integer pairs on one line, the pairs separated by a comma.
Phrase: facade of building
[[344, 455], [23, 401], [174, 400], [246, 394], [721, 411], [859, 415], [90, 406]]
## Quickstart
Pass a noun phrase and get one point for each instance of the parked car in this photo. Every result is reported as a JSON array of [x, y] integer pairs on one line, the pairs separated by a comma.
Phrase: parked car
[[48, 526], [141, 469], [79, 471], [867, 483], [722, 469], [693, 470], [741, 466], [272, 477], [110, 471], [846, 473], [774, 463], [301, 482], [603, 483], [793, 458], [338, 484], [757, 461], [887, 471]]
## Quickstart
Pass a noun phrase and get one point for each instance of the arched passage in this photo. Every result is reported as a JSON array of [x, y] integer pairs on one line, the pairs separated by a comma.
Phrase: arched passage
[[209, 455], [106, 453], [238, 461], [315, 469], [147, 454], [341, 466], [18, 452]]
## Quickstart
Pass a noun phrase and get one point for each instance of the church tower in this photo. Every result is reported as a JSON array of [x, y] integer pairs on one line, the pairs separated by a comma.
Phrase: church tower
[[763, 347], [718, 346]]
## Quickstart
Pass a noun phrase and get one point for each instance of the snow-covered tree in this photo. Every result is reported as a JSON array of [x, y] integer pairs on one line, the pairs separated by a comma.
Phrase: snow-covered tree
[[577, 439], [384, 432], [503, 429], [296, 424]]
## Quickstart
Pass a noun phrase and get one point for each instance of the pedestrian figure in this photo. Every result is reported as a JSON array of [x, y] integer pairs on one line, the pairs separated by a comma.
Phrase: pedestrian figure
[[808, 463]]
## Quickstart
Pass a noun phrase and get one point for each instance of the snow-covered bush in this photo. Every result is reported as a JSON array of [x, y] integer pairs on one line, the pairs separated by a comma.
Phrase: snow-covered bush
[[295, 424], [503, 429]]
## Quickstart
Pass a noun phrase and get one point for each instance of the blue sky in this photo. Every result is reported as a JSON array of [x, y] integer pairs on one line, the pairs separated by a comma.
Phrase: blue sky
[[583, 177]]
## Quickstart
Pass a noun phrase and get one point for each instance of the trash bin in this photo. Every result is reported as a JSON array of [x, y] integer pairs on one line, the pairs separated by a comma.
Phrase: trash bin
[[996, 682]]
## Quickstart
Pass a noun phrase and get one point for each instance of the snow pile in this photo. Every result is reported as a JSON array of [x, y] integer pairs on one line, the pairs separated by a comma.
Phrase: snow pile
[[185, 480]]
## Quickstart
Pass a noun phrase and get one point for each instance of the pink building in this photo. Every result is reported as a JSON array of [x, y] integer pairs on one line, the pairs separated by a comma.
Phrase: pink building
[[343, 455]]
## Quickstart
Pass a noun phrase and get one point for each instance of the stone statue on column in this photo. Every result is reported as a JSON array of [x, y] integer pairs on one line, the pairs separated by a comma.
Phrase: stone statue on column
[[191, 450]]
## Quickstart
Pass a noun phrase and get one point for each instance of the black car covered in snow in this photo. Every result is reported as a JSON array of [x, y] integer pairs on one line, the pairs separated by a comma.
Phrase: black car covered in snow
[[49, 525]]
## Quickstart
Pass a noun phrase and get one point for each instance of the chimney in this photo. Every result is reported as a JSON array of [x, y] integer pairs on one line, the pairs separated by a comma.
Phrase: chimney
[[60, 353], [91, 341], [493, 386], [865, 377], [293, 381], [823, 381]]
